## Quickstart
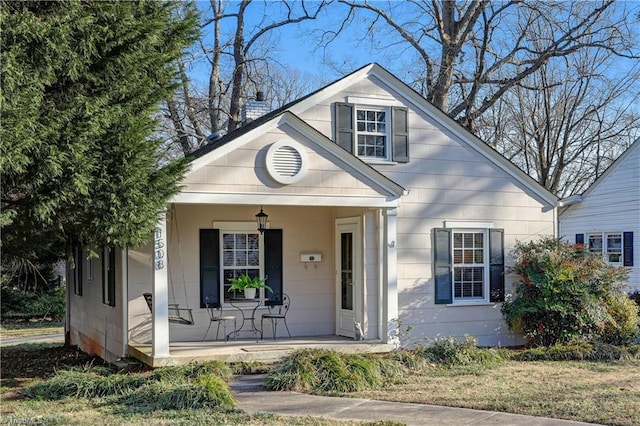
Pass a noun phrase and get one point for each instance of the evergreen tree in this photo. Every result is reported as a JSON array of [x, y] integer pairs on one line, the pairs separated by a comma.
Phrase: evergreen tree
[[81, 82]]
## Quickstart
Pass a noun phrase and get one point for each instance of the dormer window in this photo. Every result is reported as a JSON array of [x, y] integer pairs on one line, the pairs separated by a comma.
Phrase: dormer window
[[374, 133]]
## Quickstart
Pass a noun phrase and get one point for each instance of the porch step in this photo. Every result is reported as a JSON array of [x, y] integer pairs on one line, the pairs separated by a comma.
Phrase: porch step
[[248, 383]]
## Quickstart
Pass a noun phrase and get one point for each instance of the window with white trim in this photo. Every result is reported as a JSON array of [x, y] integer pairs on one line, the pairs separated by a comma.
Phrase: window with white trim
[[372, 132], [609, 244], [470, 269], [241, 253]]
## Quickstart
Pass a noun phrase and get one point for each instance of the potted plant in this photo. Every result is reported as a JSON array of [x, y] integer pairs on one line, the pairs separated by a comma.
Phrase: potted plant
[[248, 285]]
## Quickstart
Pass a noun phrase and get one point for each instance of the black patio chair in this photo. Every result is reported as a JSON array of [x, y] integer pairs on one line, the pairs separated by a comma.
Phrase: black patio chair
[[215, 315], [278, 305]]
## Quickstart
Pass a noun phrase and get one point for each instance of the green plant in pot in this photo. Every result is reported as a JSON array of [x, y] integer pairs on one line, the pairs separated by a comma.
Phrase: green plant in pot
[[249, 285]]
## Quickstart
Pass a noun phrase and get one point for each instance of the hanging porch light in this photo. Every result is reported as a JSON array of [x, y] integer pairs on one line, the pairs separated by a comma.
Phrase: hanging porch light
[[261, 219]]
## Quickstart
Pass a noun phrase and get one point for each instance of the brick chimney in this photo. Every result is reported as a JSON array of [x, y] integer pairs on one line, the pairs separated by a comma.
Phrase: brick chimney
[[254, 109]]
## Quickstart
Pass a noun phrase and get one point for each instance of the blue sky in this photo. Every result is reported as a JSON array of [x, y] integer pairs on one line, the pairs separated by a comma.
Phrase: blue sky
[[296, 45]]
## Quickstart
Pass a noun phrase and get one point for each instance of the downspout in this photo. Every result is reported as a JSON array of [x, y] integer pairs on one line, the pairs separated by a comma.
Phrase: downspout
[[124, 260], [380, 271]]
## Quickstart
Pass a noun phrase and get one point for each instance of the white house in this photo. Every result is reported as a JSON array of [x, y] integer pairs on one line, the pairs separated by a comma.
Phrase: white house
[[381, 211], [606, 217]]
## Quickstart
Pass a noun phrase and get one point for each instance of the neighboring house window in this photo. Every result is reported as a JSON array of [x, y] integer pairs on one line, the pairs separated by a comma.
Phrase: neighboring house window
[[78, 260], [468, 265], [109, 276], [373, 133], [615, 247], [232, 249]]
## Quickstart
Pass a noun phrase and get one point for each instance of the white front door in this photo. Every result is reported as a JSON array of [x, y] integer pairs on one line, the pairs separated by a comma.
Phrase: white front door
[[348, 275]]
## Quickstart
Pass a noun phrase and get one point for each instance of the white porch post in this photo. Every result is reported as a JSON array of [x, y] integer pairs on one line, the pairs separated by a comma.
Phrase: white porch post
[[160, 317], [389, 332]]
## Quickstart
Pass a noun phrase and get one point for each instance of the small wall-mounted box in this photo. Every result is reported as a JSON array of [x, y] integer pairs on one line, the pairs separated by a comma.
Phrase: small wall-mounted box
[[310, 257]]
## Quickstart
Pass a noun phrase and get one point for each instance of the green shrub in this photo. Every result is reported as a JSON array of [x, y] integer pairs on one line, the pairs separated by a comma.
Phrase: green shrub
[[176, 392], [193, 370], [204, 392], [84, 382], [169, 388], [563, 295], [50, 303], [328, 372], [580, 351], [451, 351], [621, 326]]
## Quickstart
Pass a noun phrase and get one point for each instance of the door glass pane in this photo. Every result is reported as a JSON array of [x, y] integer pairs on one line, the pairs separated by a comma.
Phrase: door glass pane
[[346, 270]]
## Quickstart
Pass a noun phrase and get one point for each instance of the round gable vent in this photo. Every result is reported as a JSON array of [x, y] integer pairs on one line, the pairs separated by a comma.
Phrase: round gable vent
[[286, 162]]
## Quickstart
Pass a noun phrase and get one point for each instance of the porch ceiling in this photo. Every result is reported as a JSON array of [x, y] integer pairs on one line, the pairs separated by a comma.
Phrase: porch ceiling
[[266, 350]]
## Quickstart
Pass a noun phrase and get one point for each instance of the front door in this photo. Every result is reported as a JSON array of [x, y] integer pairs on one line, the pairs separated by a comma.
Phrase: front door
[[348, 275]]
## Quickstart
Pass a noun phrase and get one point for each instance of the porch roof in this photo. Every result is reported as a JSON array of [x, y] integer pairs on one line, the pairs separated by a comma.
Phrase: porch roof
[[382, 192]]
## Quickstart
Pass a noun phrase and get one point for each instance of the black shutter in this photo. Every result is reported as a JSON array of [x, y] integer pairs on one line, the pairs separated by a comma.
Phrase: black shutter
[[344, 126], [580, 239], [78, 274], [627, 248], [400, 129], [273, 261], [109, 297], [209, 266], [442, 265], [496, 265]]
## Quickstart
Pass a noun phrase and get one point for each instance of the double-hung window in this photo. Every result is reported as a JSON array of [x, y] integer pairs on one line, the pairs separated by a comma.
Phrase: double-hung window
[[240, 256], [468, 263], [377, 131], [372, 132], [609, 244], [231, 249], [470, 269]]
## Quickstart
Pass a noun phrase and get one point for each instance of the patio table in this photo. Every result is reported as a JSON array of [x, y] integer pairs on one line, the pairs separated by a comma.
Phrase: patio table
[[247, 309]]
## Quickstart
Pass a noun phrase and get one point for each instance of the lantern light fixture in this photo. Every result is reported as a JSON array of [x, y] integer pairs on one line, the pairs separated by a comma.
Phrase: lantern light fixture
[[261, 219]]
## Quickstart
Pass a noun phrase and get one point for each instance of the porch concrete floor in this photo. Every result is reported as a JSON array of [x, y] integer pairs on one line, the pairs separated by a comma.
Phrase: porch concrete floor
[[267, 350]]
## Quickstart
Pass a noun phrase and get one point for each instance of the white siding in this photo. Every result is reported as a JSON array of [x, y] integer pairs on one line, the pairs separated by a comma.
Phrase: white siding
[[94, 327], [611, 205], [243, 171]]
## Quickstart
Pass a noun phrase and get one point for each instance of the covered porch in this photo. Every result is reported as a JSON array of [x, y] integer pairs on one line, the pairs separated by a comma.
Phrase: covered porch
[[249, 350], [352, 283]]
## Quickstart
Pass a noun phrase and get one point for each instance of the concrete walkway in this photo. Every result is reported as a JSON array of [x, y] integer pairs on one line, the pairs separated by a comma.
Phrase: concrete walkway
[[252, 398]]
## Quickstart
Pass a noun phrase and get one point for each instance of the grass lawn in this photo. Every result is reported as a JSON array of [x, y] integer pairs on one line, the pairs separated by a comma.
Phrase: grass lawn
[[594, 392], [29, 328]]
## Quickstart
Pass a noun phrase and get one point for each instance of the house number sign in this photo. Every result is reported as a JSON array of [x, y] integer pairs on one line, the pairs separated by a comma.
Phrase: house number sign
[[158, 254]]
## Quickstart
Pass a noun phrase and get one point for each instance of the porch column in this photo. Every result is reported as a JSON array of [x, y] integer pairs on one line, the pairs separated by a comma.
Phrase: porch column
[[160, 317], [389, 332]]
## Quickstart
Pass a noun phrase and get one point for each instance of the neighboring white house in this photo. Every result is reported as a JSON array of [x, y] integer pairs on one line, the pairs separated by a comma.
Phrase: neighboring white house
[[606, 217], [381, 210]]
